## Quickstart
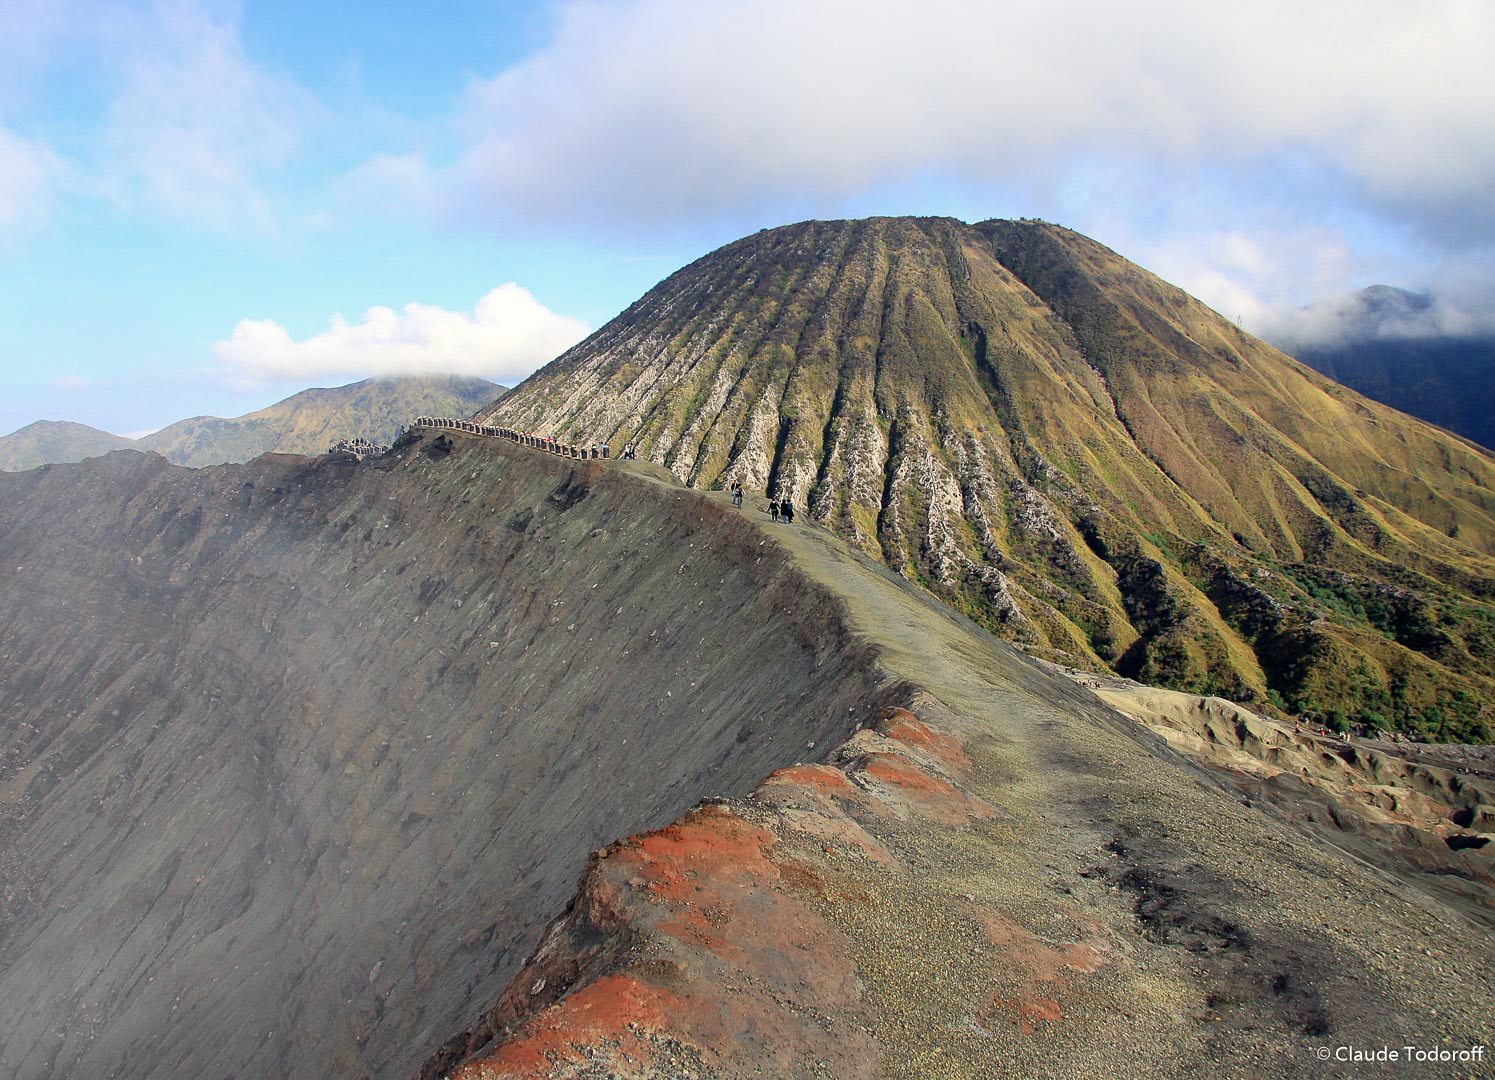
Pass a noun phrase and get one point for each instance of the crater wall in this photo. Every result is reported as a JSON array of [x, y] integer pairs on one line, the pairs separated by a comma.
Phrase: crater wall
[[298, 757]]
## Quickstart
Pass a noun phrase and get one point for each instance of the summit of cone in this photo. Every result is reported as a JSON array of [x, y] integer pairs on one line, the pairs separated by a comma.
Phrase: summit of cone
[[1081, 456]]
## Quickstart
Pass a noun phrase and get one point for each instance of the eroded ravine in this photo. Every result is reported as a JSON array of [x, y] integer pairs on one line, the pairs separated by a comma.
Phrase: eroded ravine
[[1091, 463]]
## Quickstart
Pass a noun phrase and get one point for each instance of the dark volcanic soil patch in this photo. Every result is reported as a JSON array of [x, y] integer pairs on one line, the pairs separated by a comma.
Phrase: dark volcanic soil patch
[[299, 757]]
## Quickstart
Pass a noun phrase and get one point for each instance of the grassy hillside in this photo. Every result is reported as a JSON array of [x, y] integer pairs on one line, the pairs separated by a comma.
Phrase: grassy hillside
[[1446, 381], [305, 423], [1081, 456], [311, 421], [53, 441]]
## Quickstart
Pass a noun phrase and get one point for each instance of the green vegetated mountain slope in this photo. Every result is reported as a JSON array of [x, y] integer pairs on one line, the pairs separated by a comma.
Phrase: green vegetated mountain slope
[[304, 423], [311, 421], [1086, 459], [1448, 381], [50, 441]]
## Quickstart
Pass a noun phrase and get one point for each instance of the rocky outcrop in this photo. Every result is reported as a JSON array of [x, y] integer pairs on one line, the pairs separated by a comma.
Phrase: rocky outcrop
[[698, 950], [1431, 822]]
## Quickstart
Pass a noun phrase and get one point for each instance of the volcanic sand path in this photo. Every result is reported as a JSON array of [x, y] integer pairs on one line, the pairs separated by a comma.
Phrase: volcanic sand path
[[1123, 914]]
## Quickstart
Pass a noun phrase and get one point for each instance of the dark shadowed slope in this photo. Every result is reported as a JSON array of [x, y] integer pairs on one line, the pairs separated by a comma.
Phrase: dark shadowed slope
[[1446, 381], [300, 755], [1081, 456]]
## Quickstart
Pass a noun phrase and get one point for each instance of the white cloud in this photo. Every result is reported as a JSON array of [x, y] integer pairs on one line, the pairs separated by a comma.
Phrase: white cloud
[[1377, 314], [1254, 274], [188, 124], [72, 382], [507, 336], [196, 128], [387, 182], [29, 173], [664, 110]]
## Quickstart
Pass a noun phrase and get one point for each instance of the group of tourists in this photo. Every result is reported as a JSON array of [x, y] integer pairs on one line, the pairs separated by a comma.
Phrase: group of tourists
[[778, 509], [360, 446], [1322, 730]]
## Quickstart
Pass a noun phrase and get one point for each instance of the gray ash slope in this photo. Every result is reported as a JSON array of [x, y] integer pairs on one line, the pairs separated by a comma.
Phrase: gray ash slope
[[1030, 885], [299, 756]]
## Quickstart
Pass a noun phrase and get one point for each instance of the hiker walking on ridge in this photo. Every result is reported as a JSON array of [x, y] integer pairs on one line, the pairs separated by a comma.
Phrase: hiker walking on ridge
[[736, 494], [773, 509], [786, 511]]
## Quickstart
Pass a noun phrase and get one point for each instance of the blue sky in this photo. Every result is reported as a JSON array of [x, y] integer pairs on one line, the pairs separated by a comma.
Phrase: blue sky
[[205, 206]]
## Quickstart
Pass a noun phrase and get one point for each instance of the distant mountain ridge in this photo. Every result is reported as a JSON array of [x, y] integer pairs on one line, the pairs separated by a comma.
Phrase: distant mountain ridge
[[1390, 347], [304, 423], [1081, 456], [311, 421], [50, 442]]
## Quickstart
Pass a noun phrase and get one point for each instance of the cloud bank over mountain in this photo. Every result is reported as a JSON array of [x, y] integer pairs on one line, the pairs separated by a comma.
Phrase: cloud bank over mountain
[[743, 102], [1379, 313], [1262, 157]]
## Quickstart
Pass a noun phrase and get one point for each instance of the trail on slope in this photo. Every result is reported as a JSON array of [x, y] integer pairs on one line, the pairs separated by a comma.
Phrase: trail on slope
[[1113, 910]]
